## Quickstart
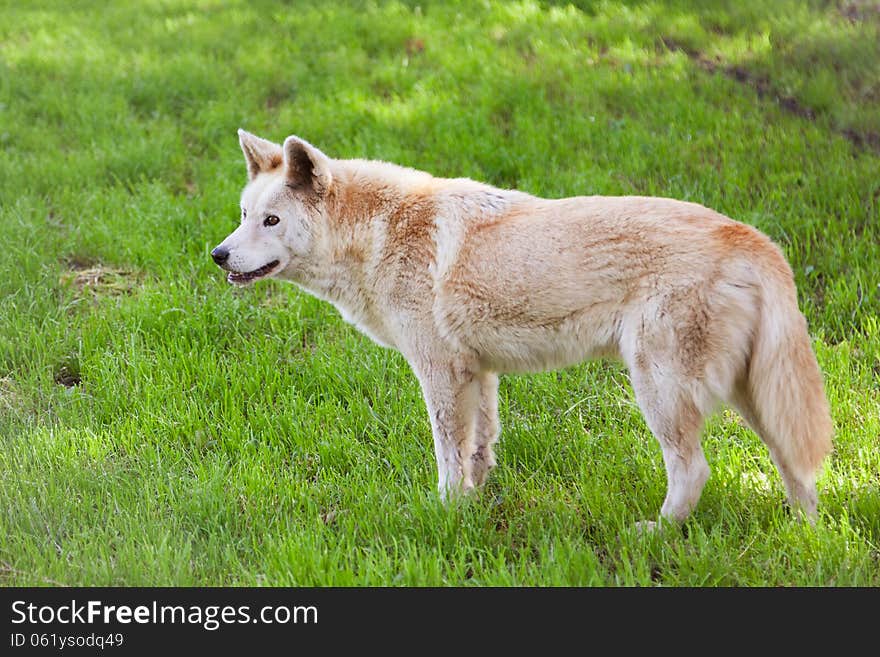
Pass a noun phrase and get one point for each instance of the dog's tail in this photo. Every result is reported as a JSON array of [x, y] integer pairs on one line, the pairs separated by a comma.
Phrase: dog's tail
[[785, 387]]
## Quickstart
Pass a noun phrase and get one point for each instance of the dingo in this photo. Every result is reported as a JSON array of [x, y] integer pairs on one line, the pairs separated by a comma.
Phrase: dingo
[[468, 281]]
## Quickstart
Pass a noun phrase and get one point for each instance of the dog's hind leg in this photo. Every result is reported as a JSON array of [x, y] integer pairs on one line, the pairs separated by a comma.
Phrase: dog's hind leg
[[487, 430], [676, 422], [452, 395]]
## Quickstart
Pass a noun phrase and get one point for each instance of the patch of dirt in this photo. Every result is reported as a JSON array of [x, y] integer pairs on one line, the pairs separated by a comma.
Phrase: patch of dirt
[[763, 87], [67, 376], [863, 140], [860, 10], [94, 279]]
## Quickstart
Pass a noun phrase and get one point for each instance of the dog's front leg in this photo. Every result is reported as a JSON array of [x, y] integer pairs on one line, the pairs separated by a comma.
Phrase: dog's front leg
[[487, 430], [452, 395]]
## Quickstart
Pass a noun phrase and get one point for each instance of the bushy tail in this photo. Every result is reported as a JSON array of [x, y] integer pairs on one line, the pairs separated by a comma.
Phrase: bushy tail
[[786, 391]]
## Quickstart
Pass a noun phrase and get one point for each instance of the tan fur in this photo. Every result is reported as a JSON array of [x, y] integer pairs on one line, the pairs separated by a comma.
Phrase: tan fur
[[468, 281]]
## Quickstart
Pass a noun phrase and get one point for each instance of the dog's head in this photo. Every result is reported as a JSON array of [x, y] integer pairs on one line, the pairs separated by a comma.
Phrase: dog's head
[[286, 186]]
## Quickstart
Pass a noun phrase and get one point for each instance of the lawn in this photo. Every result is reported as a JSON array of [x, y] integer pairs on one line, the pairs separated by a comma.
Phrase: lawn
[[159, 427]]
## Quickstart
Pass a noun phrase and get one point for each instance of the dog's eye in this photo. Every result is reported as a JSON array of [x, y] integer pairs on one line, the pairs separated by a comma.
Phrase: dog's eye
[[271, 220], [243, 214]]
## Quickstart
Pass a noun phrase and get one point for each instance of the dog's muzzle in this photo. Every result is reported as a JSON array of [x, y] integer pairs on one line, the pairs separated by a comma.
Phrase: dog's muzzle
[[221, 257]]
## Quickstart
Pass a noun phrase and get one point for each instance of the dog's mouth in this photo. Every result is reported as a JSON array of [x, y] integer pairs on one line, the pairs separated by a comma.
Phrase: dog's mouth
[[244, 277]]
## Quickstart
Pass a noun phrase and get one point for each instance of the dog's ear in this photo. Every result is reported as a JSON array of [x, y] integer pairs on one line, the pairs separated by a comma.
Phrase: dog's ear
[[259, 154], [306, 166]]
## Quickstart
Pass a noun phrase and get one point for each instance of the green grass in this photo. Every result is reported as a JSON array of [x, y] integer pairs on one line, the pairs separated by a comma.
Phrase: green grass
[[158, 427]]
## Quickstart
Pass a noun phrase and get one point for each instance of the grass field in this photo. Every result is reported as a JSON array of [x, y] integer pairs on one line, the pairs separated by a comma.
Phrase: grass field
[[158, 427]]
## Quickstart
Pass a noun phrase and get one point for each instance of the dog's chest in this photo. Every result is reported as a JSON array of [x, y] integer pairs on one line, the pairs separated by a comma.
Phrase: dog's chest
[[356, 310]]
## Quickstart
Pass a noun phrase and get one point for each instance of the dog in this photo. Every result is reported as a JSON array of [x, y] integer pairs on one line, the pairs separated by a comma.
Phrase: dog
[[469, 281]]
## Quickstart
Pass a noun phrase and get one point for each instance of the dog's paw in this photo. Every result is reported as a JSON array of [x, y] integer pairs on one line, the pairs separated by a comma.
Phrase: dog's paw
[[456, 494], [651, 527], [647, 526]]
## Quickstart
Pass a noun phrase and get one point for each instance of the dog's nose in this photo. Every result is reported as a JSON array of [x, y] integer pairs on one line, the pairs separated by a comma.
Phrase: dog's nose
[[220, 255]]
